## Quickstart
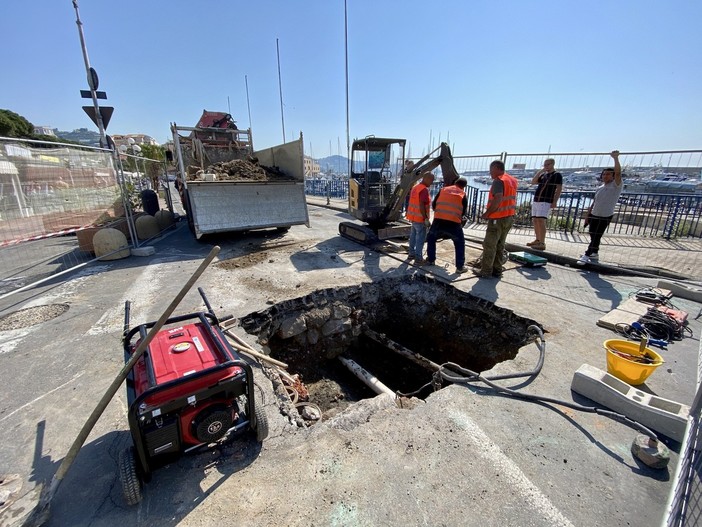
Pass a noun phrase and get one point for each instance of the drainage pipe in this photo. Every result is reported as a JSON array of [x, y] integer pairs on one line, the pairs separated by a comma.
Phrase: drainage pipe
[[367, 377], [401, 350]]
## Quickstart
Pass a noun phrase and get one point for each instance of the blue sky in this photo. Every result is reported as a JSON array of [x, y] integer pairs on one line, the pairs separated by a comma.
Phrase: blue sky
[[492, 75]]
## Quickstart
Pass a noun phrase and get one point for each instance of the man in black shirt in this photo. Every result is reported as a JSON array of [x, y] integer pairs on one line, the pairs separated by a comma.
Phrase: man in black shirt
[[550, 184]]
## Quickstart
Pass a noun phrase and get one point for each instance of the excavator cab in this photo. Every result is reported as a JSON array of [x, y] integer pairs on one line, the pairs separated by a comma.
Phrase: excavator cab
[[380, 182], [376, 168]]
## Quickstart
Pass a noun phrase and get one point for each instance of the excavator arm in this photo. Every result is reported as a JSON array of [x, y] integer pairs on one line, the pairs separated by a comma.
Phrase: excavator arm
[[414, 173]]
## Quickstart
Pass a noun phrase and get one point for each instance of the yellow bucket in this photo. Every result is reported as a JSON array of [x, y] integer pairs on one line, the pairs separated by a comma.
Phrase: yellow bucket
[[628, 369]]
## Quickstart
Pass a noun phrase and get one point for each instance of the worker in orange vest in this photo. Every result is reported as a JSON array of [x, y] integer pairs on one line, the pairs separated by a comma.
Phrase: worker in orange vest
[[418, 212], [450, 206], [501, 207]]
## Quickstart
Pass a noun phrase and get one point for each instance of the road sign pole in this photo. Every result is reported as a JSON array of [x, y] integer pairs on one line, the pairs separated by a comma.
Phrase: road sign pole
[[92, 78]]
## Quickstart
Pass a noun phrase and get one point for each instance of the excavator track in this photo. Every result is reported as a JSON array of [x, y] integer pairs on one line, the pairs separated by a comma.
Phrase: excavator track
[[358, 233]]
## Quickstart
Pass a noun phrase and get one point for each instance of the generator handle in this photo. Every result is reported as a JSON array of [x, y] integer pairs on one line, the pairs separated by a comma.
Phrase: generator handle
[[207, 302], [127, 309]]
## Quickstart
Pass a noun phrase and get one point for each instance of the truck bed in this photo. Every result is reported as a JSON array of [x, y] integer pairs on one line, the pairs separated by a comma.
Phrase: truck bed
[[223, 206], [231, 205]]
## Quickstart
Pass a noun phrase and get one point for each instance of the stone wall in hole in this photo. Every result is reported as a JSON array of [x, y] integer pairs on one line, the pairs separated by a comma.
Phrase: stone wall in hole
[[327, 321]]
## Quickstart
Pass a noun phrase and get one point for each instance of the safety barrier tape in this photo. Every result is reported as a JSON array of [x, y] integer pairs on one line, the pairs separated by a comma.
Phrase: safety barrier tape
[[7, 243]]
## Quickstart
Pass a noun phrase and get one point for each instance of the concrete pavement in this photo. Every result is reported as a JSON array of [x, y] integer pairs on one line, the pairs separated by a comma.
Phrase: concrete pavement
[[463, 457]]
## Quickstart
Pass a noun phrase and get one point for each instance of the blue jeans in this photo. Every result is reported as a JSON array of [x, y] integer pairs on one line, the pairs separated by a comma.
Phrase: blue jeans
[[418, 233], [447, 229]]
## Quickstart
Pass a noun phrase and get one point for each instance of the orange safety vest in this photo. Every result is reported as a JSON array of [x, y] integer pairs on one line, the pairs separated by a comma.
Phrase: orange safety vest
[[414, 209], [508, 205], [449, 204]]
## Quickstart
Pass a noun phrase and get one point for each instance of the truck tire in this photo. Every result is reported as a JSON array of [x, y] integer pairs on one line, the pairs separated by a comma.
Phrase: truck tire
[[189, 215], [261, 423], [131, 484]]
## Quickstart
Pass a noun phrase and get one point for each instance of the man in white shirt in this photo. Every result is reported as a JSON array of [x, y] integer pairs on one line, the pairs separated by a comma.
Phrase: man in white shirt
[[601, 210]]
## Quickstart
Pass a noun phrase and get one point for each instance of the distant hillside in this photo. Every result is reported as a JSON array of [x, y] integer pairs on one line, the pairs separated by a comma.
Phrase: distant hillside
[[335, 164]]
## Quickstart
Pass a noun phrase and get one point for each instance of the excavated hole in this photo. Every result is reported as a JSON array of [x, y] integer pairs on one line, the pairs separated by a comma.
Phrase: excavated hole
[[31, 316], [428, 317]]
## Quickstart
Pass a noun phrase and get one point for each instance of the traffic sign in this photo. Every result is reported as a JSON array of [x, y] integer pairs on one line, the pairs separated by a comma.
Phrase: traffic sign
[[86, 94], [93, 80], [105, 113]]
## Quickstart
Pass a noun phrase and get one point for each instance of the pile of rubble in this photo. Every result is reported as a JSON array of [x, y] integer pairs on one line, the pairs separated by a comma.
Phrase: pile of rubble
[[237, 170]]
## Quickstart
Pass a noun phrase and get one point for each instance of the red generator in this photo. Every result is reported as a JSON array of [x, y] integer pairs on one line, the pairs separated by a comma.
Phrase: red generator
[[189, 390]]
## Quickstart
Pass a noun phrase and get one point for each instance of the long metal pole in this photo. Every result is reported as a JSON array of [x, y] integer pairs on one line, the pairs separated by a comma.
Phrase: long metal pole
[[346, 53], [248, 104], [280, 88], [93, 88]]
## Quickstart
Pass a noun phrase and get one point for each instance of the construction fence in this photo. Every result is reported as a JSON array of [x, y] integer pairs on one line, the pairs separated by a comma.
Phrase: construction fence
[[55, 197]]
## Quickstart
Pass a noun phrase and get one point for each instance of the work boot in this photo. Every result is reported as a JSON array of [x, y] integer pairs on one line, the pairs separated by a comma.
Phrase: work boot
[[482, 274]]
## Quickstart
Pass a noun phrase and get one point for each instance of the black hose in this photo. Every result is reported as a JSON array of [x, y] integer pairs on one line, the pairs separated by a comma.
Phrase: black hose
[[436, 383], [541, 344], [472, 376]]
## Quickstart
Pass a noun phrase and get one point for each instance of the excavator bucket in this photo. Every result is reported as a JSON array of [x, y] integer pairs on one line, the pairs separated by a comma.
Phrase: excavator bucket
[[448, 170]]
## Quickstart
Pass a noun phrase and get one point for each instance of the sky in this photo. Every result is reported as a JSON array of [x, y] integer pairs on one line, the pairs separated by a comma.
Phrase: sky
[[486, 75]]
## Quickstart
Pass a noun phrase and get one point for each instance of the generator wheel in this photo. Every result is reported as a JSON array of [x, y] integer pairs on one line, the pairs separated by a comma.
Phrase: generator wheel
[[210, 426], [282, 229], [131, 484], [261, 423]]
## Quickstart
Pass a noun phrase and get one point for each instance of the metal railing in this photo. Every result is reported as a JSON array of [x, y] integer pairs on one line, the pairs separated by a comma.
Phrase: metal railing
[[644, 215], [685, 501], [665, 214], [327, 188]]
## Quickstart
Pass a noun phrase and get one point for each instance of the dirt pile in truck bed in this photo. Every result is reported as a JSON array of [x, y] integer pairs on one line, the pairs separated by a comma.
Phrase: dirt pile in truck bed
[[239, 170]]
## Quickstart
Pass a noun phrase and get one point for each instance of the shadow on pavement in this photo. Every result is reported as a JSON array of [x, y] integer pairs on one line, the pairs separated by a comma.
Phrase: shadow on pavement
[[91, 492]]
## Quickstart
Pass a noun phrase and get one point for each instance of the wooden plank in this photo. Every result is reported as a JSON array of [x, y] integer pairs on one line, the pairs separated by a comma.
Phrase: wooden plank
[[628, 312]]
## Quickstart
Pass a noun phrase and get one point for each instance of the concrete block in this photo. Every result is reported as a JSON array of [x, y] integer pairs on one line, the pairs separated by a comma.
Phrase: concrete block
[[662, 415], [143, 251], [683, 290]]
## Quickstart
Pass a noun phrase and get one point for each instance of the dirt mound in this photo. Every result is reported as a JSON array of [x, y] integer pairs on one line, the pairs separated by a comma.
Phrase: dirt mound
[[239, 170]]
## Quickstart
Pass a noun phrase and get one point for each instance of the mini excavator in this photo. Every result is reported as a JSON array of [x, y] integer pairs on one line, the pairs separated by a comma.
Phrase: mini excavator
[[376, 165]]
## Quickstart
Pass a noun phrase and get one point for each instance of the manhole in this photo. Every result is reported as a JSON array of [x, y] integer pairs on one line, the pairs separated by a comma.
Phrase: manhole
[[363, 323], [30, 316]]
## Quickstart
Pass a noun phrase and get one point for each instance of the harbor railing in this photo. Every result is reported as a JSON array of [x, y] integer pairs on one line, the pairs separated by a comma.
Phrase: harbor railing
[[645, 215], [662, 214]]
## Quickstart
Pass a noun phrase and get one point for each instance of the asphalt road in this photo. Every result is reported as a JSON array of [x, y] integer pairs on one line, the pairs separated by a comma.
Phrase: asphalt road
[[465, 457]]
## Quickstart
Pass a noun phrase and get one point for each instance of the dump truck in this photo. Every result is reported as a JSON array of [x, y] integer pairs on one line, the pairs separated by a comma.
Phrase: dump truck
[[226, 186]]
